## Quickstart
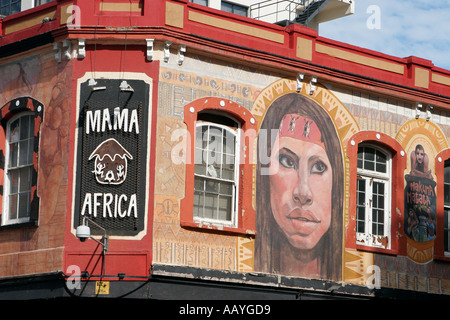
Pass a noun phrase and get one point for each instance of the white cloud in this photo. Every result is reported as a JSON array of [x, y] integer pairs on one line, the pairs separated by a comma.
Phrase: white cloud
[[407, 28]]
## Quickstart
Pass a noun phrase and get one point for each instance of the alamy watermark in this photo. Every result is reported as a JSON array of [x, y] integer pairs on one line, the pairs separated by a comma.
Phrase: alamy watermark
[[74, 19], [373, 281], [212, 147], [374, 20], [74, 280]]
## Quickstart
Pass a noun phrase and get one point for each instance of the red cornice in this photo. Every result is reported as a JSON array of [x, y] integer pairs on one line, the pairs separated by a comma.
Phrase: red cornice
[[204, 30]]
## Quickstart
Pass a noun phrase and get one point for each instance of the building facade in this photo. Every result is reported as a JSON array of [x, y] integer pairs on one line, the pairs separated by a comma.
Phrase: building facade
[[215, 156]]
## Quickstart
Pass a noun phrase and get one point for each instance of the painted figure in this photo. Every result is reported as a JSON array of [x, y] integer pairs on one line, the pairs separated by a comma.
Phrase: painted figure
[[420, 198], [110, 162], [299, 191], [419, 163]]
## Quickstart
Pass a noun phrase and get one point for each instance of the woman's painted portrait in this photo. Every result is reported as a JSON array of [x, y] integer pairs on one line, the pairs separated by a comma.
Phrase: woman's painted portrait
[[299, 191]]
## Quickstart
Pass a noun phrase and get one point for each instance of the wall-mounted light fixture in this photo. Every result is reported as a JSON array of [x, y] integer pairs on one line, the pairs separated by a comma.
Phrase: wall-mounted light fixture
[[83, 232], [312, 85], [149, 54], [57, 49], [429, 108], [93, 85], [167, 50], [418, 108], [63, 48], [300, 78], [181, 52], [81, 49], [124, 86], [67, 46]]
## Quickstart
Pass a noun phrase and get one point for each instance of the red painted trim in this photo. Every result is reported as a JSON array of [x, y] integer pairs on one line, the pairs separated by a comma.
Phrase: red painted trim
[[246, 212], [24, 16], [130, 256], [246, 47], [30, 12], [399, 160], [439, 169]]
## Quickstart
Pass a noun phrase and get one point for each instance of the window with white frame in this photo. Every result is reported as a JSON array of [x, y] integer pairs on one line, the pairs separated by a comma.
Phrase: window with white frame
[[202, 2], [8, 7], [216, 170], [234, 8], [39, 2], [447, 208], [373, 197], [18, 169]]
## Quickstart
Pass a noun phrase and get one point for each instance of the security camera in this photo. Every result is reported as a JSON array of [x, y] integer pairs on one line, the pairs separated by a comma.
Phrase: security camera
[[83, 232]]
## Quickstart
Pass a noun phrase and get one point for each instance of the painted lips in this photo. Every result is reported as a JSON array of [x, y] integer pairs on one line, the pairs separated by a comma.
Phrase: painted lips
[[304, 221]]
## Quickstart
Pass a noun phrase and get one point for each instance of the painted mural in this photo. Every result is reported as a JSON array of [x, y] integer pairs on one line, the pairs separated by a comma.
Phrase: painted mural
[[173, 244], [41, 78], [298, 225], [300, 181], [302, 162], [422, 141]]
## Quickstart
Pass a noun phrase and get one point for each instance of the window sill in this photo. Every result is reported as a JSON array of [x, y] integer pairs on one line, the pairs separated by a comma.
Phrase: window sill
[[19, 225], [376, 249], [217, 228]]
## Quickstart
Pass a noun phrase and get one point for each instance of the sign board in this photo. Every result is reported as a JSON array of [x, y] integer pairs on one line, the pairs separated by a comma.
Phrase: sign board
[[111, 156]]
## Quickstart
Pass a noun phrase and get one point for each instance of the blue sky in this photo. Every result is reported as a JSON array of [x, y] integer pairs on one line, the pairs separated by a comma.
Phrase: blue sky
[[400, 28]]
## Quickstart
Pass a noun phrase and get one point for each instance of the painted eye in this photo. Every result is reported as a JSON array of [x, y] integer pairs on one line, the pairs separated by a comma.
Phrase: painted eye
[[318, 167], [286, 161]]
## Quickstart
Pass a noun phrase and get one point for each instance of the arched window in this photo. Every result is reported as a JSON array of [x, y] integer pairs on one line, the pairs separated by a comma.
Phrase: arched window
[[447, 208], [219, 167], [216, 169], [442, 232], [20, 121], [18, 168], [373, 202], [377, 165]]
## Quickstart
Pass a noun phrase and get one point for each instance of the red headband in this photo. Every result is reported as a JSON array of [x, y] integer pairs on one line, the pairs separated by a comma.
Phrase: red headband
[[298, 127]]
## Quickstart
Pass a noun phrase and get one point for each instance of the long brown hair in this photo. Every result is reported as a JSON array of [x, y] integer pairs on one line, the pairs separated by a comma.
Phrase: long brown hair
[[270, 242]]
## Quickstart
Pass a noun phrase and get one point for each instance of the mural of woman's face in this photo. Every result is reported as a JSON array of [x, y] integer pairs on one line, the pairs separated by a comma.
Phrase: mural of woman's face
[[301, 187]]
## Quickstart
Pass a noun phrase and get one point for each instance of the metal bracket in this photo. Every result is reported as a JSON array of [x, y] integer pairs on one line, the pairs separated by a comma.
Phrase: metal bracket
[[57, 49], [429, 108], [167, 51], [181, 52], [62, 48], [150, 43], [81, 49], [67, 46], [124, 86], [300, 77], [418, 107], [312, 85], [93, 85]]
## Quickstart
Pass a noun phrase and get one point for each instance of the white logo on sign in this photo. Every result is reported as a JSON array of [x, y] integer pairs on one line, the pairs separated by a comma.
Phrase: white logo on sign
[[110, 165]]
